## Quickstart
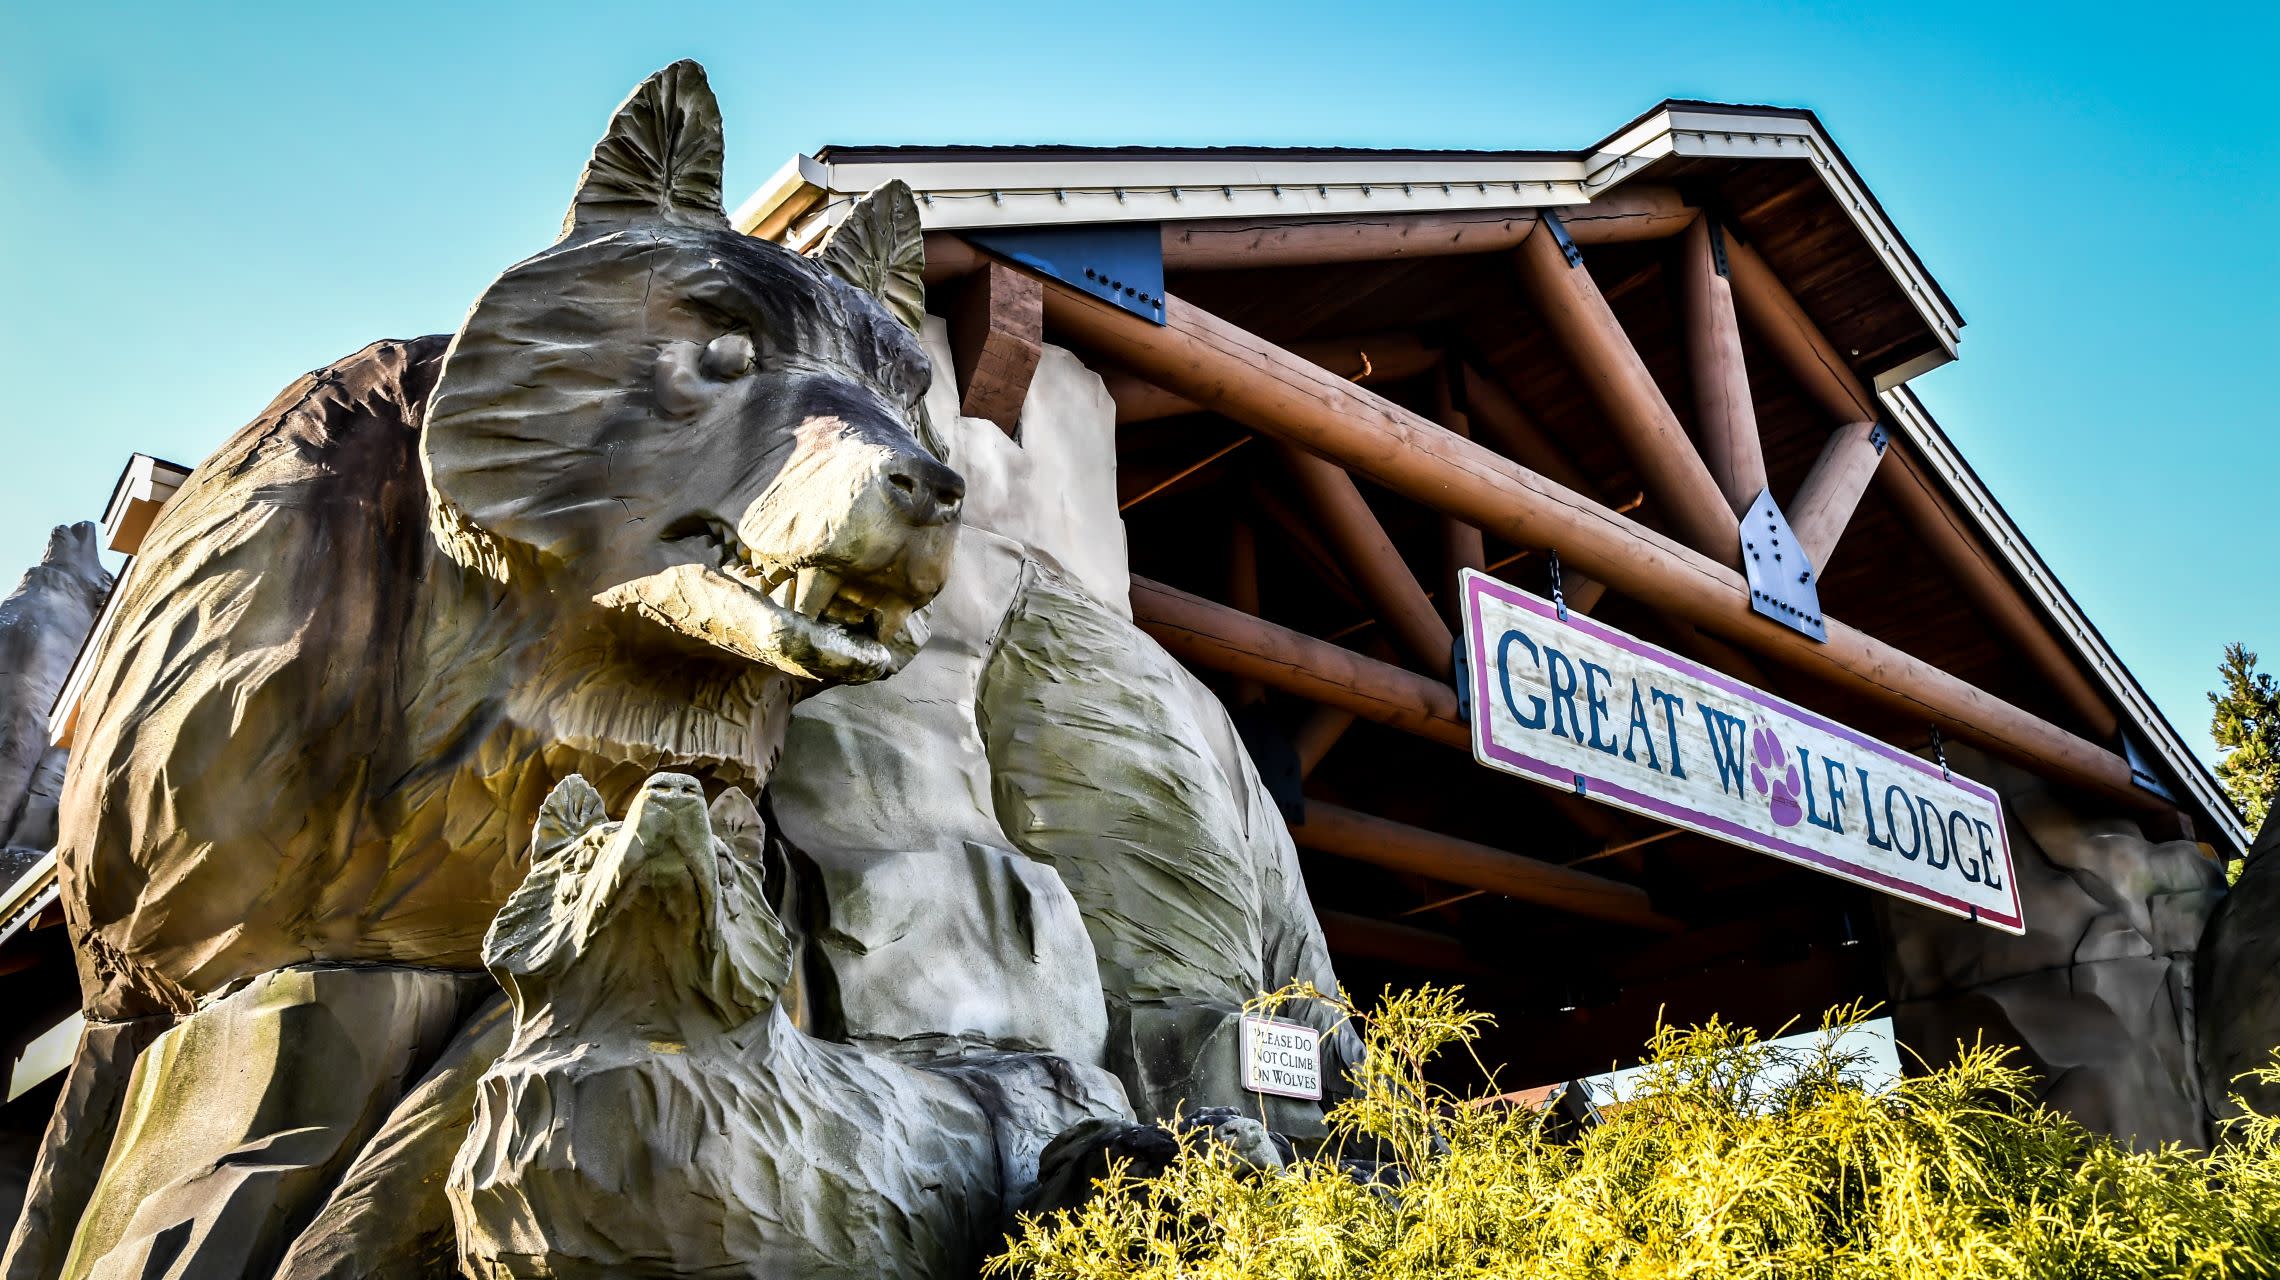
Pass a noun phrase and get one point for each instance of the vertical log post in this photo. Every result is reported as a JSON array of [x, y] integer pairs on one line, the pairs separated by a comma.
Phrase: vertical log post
[[1722, 408], [1572, 307], [1462, 545], [1243, 593]]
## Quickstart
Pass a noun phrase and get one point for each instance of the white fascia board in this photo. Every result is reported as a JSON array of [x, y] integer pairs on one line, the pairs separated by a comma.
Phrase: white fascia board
[[965, 195], [31, 894], [1709, 133], [1979, 506], [782, 197]]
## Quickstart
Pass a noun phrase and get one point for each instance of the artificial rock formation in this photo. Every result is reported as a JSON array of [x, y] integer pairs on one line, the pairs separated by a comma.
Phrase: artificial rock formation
[[1122, 883], [658, 1112], [2099, 994], [2237, 977], [664, 482], [42, 624]]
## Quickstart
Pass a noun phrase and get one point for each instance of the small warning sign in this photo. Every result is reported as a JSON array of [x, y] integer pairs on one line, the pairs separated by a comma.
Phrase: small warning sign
[[1282, 1058]]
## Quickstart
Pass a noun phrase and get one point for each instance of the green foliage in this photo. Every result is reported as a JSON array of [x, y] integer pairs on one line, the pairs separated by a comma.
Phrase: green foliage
[[1736, 1158], [2245, 720]]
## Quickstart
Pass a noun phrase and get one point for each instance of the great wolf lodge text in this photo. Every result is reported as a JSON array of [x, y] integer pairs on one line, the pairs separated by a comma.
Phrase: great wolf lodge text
[[1581, 706]]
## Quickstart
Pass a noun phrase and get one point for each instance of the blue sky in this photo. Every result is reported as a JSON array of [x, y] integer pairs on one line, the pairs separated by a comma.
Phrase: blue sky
[[202, 202]]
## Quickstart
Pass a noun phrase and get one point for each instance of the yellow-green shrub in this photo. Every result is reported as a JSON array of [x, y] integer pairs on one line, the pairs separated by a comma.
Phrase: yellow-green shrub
[[1736, 1158]]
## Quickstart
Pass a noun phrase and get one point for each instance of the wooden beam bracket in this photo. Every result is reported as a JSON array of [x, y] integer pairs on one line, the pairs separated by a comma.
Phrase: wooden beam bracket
[[997, 336]]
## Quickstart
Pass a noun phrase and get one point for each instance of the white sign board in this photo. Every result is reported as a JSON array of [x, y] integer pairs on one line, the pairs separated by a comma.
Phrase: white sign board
[[1586, 708], [1282, 1058]]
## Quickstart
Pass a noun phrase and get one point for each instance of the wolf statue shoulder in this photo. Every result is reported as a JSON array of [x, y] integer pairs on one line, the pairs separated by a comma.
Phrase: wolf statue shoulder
[[665, 481]]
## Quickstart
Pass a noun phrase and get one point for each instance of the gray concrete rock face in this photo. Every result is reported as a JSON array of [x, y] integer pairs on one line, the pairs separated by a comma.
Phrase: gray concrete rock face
[[2099, 994], [2237, 975], [43, 622], [1071, 816]]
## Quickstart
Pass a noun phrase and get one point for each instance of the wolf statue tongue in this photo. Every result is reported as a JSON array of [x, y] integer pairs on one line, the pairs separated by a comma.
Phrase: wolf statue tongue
[[659, 1114]]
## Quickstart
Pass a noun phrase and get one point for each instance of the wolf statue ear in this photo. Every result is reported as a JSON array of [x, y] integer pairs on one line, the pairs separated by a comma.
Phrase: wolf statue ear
[[881, 250], [569, 811], [736, 823], [660, 159]]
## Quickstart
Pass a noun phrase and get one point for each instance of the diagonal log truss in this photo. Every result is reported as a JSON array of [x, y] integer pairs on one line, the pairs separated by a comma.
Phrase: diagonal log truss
[[1252, 381]]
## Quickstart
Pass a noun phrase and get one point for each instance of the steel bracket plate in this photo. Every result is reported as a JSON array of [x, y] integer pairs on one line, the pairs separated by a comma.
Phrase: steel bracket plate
[[2141, 769], [1560, 237], [1782, 585], [1120, 263], [1717, 245]]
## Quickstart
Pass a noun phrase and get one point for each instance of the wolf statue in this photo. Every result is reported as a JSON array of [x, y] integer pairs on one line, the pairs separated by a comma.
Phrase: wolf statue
[[665, 481], [659, 1112]]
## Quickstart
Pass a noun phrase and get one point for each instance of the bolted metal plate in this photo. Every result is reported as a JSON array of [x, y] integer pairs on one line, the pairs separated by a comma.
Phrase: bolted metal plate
[[1120, 262], [1782, 585]]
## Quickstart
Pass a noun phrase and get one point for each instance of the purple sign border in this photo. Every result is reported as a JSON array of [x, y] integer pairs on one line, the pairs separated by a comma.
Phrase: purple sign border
[[1495, 755]]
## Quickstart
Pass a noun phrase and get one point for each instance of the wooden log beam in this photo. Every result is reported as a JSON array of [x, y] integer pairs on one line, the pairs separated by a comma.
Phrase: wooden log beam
[[1365, 358], [1217, 638], [1371, 560], [1634, 213], [1723, 412], [1781, 323], [1570, 305], [1514, 430], [1317, 734], [1825, 502], [1916, 497], [1396, 846], [997, 334], [1775, 314], [1252, 381], [1365, 939]]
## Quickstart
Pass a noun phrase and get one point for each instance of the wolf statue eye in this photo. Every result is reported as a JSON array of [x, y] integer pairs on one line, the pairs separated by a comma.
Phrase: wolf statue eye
[[727, 356]]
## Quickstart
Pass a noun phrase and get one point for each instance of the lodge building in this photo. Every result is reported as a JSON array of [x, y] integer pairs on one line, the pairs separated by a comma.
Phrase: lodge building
[[1618, 380]]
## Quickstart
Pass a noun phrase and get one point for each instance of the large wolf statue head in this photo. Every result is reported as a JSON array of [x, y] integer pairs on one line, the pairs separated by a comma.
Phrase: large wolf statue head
[[703, 432]]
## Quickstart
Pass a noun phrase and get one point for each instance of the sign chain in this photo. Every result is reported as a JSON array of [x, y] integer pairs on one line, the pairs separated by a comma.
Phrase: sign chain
[[1559, 600], [1939, 753]]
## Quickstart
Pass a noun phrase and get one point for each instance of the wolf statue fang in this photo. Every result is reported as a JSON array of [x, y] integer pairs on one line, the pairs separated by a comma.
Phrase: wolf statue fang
[[665, 480]]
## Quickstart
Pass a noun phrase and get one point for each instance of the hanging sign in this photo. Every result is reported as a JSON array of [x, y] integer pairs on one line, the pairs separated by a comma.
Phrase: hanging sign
[[1282, 1058], [1586, 708]]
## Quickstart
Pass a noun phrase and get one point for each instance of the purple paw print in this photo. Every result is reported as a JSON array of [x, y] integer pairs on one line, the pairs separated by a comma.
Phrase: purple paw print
[[1774, 775]]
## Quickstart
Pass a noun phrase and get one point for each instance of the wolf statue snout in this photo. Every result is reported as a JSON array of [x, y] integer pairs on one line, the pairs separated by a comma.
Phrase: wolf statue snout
[[925, 491]]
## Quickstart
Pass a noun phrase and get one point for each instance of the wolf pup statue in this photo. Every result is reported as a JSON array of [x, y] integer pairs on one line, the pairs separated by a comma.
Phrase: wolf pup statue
[[659, 1114]]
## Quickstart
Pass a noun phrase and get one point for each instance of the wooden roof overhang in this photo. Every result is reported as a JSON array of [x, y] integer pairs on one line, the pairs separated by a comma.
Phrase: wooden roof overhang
[[1377, 367]]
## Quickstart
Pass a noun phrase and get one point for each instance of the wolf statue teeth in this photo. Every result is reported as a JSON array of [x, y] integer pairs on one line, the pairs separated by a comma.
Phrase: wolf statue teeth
[[658, 1113]]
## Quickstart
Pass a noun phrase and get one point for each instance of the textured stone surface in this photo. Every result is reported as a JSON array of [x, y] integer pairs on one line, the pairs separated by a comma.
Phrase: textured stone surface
[[1115, 767], [659, 1113], [1105, 770], [2099, 993], [71, 1152], [2237, 975], [388, 1217], [239, 1117], [42, 624]]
